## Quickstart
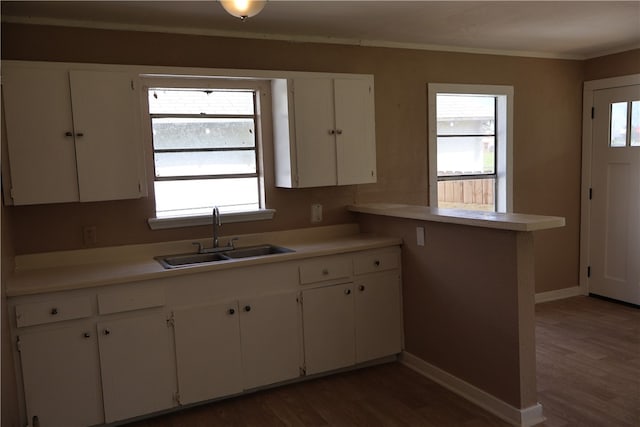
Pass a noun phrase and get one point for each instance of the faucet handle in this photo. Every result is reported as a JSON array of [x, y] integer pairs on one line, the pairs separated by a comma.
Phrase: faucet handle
[[199, 246], [230, 244]]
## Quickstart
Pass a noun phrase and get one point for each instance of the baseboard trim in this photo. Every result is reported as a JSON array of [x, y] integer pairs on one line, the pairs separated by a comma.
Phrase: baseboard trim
[[559, 294], [526, 417]]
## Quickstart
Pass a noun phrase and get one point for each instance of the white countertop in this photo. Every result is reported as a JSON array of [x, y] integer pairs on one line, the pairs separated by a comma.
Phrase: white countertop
[[497, 220], [61, 271]]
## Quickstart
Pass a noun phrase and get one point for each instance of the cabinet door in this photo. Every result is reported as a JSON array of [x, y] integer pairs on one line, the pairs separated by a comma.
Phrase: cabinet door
[[61, 376], [208, 354], [314, 132], [329, 333], [378, 316], [37, 108], [138, 374], [355, 131], [106, 117], [270, 339]]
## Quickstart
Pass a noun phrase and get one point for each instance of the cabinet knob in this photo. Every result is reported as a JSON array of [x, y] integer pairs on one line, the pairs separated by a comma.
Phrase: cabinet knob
[[54, 311], [107, 331], [68, 134], [361, 288], [339, 131], [347, 291], [376, 263], [87, 335], [232, 311], [325, 272], [332, 131], [79, 134], [247, 308]]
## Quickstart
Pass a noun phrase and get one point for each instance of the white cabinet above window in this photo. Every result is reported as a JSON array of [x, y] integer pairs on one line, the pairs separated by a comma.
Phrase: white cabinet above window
[[324, 131], [72, 135]]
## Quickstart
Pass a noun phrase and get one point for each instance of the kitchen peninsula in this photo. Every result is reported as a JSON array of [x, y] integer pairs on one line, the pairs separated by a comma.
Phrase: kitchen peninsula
[[468, 300]]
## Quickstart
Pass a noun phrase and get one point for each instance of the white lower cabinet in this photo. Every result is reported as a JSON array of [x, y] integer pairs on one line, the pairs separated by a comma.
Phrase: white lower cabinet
[[223, 349], [138, 375], [61, 376], [329, 328]]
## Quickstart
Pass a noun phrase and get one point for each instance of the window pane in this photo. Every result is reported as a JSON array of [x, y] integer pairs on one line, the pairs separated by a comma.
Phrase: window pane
[[205, 163], [181, 133], [197, 197], [471, 194], [635, 124], [618, 129], [460, 155], [200, 101], [466, 114]]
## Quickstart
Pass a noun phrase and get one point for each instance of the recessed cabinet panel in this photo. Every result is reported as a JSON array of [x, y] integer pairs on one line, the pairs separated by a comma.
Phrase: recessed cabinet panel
[[208, 355], [270, 339], [37, 108], [329, 332], [355, 132], [106, 121], [138, 375], [61, 376]]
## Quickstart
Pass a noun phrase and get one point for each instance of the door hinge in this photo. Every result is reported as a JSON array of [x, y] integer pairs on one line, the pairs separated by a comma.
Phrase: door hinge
[[12, 191], [299, 299], [18, 345], [176, 398], [303, 371], [132, 85], [589, 271], [593, 112], [590, 193], [171, 321]]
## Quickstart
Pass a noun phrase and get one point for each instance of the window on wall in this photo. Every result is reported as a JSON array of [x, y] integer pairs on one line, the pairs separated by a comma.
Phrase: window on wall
[[206, 148], [470, 128]]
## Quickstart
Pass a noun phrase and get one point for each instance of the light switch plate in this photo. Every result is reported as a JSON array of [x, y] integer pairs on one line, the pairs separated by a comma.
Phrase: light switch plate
[[420, 236], [316, 213]]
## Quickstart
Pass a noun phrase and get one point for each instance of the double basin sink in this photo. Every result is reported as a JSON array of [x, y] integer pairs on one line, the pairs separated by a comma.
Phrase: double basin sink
[[223, 254]]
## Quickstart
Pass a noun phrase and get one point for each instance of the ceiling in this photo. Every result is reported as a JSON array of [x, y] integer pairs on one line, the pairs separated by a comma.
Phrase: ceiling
[[554, 29]]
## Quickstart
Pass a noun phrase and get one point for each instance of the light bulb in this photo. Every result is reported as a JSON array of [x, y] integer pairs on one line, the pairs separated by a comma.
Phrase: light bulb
[[243, 9]]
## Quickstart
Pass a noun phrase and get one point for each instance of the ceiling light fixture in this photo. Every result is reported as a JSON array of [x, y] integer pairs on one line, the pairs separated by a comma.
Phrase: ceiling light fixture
[[243, 9]]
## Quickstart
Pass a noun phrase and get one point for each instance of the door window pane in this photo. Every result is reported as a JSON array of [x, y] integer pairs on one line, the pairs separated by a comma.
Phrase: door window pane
[[618, 130], [635, 124]]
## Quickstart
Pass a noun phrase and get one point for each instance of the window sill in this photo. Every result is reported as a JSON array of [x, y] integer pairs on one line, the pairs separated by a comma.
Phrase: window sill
[[193, 221]]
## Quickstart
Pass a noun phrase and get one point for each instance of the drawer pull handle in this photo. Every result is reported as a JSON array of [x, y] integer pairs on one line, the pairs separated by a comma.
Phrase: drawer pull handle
[[376, 263], [361, 287], [107, 331], [87, 335], [325, 272], [347, 291], [54, 311], [232, 311], [247, 308]]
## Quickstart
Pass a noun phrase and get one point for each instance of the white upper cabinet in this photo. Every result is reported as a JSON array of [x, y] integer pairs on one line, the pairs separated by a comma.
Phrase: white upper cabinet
[[72, 135], [324, 131]]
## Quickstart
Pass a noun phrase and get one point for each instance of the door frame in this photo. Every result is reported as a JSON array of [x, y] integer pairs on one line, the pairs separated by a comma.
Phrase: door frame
[[587, 146]]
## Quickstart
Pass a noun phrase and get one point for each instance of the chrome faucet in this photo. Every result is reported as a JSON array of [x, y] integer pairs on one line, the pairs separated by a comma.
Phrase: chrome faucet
[[216, 225]]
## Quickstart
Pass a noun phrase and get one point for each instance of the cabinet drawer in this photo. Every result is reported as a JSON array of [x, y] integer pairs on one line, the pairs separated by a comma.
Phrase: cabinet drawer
[[137, 299], [371, 262], [53, 311], [321, 269]]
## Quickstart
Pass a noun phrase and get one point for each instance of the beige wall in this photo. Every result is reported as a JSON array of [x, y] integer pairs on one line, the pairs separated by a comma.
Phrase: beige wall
[[619, 64], [546, 150]]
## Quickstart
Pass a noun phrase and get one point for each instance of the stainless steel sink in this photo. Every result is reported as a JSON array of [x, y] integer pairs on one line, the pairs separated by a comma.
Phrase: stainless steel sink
[[183, 260], [256, 251], [173, 261]]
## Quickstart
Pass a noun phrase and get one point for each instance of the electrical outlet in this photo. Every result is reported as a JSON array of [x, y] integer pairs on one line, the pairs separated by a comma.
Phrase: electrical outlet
[[89, 235], [316, 213]]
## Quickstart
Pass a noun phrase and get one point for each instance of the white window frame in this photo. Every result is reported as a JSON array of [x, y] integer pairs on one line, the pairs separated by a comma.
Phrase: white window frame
[[504, 138], [178, 81]]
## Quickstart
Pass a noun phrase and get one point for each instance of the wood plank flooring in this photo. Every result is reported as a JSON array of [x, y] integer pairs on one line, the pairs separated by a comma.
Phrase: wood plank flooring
[[588, 375]]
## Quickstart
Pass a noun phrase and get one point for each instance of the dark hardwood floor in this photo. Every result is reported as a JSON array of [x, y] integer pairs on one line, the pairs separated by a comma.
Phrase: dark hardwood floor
[[588, 375]]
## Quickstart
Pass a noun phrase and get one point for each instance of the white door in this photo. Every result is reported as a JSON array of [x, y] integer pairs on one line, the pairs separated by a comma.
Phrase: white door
[[208, 353], [138, 374], [270, 339], [615, 203]]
